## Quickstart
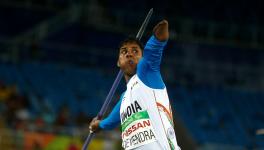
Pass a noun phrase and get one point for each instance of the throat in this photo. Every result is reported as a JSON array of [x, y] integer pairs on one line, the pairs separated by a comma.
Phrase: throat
[[128, 77]]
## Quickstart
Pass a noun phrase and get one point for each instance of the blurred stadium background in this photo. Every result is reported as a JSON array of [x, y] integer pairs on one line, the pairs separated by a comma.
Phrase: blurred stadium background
[[58, 62]]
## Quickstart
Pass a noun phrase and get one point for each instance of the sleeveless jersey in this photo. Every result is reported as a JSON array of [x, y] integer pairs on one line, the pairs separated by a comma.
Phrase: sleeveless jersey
[[146, 117]]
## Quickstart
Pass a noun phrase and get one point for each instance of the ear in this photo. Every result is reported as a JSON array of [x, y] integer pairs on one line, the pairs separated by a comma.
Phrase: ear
[[118, 63]]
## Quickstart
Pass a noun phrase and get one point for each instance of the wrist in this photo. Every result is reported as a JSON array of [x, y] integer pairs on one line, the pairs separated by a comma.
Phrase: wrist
[[157, 41]]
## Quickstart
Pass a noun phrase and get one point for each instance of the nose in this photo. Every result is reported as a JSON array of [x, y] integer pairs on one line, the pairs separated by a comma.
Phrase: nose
[[129, 54]]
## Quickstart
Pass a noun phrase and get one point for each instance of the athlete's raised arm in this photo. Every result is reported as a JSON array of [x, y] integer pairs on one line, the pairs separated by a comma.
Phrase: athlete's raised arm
[[149, 66]]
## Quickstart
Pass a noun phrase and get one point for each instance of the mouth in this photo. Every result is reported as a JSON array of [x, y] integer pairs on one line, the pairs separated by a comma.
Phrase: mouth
[[131, 62]]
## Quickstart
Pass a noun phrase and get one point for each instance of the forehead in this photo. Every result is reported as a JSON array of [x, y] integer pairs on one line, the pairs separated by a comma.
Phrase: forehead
[[130, 44]]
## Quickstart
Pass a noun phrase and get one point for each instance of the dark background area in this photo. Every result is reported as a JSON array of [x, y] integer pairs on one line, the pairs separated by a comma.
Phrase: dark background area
[[58, 62]]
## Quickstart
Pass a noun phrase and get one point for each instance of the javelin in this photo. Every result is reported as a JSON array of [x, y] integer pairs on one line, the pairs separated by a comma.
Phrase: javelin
[[116, 82]]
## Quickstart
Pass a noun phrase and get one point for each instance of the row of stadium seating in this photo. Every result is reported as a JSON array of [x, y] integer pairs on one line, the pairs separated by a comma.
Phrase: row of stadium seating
[[219, 115], [59, 85]]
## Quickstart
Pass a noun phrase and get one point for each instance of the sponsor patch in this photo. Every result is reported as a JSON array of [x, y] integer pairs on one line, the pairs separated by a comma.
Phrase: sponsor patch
[[137, 130]]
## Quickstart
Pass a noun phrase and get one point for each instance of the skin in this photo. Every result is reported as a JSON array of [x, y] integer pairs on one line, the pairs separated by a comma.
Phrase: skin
[[129, 56]]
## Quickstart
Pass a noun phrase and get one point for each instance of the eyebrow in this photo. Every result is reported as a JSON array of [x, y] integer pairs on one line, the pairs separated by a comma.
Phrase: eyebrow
[[134, 47], [126, 47]]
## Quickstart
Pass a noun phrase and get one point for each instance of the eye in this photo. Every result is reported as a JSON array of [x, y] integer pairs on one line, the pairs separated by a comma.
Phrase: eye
[[135, 50], [123, 51]]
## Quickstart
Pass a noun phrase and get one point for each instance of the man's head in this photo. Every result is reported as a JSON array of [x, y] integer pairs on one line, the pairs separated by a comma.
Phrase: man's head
[[130, 52]]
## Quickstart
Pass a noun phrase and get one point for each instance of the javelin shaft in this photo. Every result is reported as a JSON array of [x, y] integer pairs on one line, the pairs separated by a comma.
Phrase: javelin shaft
[[110, 94], [144, 25], [117, 81]]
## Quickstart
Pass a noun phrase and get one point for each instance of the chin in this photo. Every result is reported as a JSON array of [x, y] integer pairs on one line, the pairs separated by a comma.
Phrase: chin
[[130, 73]]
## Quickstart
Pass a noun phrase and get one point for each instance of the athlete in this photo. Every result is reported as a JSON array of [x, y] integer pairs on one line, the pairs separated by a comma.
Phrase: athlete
[[143, 110]]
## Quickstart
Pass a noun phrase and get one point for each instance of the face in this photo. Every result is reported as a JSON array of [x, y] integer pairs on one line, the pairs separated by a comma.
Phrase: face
[[129, 56]]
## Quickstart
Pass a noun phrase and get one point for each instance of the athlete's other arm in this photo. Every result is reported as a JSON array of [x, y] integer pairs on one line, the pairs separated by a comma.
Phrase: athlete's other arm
[[112, 121], [149, 66]]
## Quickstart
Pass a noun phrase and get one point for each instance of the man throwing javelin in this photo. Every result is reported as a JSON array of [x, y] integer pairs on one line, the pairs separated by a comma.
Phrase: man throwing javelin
[[143, 110]]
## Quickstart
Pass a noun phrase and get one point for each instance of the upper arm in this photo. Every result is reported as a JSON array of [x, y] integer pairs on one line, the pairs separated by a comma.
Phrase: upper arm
[[149, 66], [153, 53]]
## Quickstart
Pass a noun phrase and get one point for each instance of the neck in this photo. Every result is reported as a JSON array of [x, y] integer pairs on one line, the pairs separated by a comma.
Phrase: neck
[[127, 77]]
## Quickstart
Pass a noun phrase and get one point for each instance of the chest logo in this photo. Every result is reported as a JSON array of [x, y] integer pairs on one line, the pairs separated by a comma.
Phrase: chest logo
[[130, 109]]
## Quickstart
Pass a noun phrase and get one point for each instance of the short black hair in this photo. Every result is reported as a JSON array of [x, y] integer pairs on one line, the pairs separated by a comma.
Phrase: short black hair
[[131, 40]]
